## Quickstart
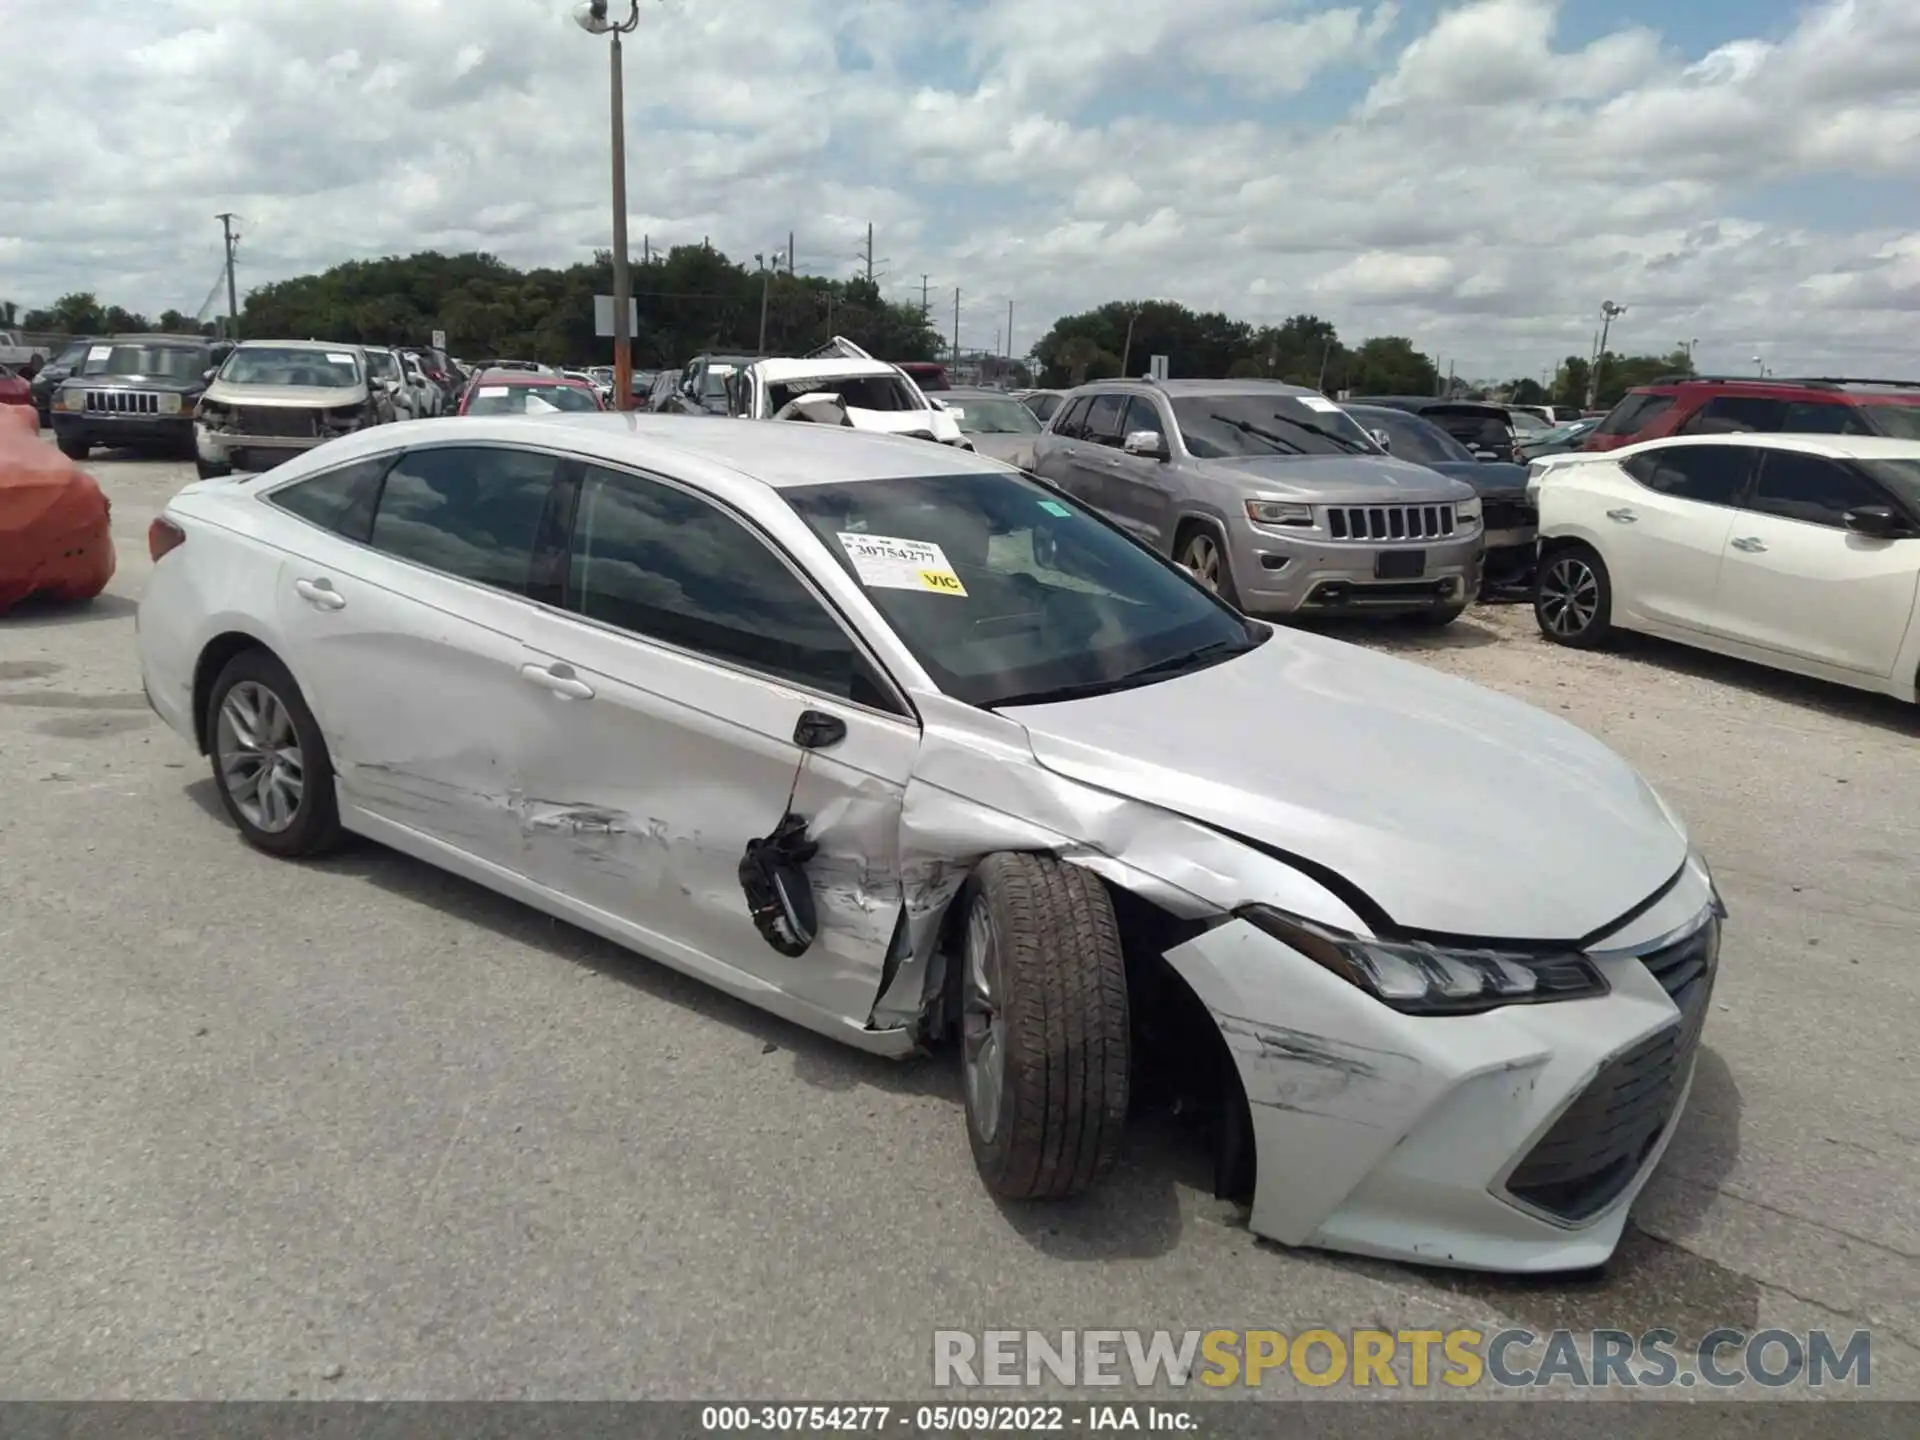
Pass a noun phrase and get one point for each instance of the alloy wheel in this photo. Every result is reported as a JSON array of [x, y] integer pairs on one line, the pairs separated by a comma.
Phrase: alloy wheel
[[261, 764], [1569, 596], [1203, 559], [982, 1026]]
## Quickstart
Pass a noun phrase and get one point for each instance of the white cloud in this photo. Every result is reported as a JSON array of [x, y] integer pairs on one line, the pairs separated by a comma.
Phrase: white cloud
[[1493, 184]]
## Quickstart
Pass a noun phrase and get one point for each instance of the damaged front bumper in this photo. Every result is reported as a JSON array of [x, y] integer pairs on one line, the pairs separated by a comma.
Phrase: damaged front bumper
[[1513, 1140]]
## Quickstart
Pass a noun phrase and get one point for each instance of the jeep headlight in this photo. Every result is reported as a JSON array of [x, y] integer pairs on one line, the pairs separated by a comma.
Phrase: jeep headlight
[[72, 401], [169, 403], [1419, 978], [1279, 512], [1467, 512]]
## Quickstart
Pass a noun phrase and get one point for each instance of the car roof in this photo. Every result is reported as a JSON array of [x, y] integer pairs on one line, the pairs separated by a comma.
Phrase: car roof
[[525, 377], [1419, 403], [980, 392], [1838, 447], [825, 368], [718, 454], [1906, 392], [1174, 389], [315, 345]]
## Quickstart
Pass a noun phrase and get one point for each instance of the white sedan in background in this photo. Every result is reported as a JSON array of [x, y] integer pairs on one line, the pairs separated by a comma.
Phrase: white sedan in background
[[897, 742], [1800, 552]]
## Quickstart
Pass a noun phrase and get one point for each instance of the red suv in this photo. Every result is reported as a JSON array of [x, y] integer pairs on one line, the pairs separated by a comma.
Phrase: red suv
[[1724, 405]]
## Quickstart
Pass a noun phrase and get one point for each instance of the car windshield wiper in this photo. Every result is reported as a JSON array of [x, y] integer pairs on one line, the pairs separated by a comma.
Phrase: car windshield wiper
[[1212, 652], [1247, 427], [1342, 441], [1187, 661]]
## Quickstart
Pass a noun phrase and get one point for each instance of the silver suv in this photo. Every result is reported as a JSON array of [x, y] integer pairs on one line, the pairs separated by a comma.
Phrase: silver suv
[[1270, 494]]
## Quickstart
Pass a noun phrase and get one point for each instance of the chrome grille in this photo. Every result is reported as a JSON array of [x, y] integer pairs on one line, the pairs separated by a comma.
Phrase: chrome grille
[[277, 420], [122, 402], [1389, 522]]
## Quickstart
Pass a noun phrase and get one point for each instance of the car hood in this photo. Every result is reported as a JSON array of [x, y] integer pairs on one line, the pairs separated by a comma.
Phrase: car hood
[[132, 382], [309, 396], [1487, 477], [1360, 478], [1458, 810], [1013, 449]]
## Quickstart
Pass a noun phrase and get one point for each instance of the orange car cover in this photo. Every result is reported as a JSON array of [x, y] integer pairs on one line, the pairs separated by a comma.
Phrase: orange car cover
[[54, 534]]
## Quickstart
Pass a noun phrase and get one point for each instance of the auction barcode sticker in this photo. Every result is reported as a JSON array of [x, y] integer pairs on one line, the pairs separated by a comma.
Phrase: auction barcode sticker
[[889, 562]]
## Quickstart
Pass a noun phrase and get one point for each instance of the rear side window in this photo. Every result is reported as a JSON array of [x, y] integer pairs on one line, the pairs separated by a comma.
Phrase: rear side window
[[1043, 406], [1811, 488], [1634, 413], [1737, 415], [341, 500], [1813, 417], [469, 511], [1074, 422], [1710, 474]]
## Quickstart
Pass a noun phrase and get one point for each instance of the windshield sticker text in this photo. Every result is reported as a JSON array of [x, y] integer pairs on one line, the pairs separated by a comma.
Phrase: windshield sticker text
[[888, 562]]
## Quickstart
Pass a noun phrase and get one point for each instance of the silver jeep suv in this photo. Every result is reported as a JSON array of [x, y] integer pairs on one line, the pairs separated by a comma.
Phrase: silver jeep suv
[[1271, 494]]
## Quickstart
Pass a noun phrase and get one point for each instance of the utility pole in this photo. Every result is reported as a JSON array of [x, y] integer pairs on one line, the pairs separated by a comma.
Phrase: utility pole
[[926, 305], [1009, 330], [766, 282], [870, 252], [1126, 350], [1608, 311], [956, 325], [789, 252], [233, 290]]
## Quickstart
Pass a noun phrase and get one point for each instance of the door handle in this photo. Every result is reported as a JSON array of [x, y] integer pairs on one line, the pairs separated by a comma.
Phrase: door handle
[[560, 679], [1749, 543], [1625, 517], [320, 594], [817, 730]]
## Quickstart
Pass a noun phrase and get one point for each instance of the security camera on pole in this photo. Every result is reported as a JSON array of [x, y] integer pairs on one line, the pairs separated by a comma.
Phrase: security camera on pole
[[591, 16], [1608, 310]]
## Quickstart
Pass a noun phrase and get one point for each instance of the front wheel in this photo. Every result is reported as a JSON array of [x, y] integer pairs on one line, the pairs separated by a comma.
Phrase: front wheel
[[1573, 598], [74, 447], [1044, 1027], [1203, 553], [270, 763]]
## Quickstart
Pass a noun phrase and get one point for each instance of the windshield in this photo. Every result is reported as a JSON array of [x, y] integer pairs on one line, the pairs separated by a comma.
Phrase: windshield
[[271, 365], [531, 399], [166, 362], [992, 415], [1225, 427], [380, 363], [1562, 433], [1900, 422], [1411, 438], [1528, 422], [74, 354], [860, 392], [1007, 593]]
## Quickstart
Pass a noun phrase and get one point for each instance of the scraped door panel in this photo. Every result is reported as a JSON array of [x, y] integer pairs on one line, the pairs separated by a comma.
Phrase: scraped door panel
[[642, 794]]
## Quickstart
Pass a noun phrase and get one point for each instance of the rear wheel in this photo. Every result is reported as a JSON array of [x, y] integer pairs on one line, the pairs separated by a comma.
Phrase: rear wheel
[[1044, 1027], [1573, 598], [270, 763], [211, 469], [1203, 552]]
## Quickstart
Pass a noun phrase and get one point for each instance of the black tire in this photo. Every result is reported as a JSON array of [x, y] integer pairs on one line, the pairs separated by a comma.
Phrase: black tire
[[73, 447], [1438, 618], [1219, 578], [314, 824], [1573, 598], [1058, 987], [211, 469]]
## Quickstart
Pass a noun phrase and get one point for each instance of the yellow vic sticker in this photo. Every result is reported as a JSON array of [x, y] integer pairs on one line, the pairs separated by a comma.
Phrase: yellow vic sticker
[[942, 582]]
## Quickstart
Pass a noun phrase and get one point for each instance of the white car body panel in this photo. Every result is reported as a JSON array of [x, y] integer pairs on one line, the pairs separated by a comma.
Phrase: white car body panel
[[624, 810], [1812, 599]]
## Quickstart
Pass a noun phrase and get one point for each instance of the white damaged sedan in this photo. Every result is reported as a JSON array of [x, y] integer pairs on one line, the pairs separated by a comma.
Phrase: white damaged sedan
[[895, 742]]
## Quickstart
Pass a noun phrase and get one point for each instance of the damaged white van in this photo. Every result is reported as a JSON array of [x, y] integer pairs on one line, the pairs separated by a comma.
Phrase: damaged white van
[[896, 742]]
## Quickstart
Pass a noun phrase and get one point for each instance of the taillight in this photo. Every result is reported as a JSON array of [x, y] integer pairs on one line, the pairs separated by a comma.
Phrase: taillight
[[163, 535]]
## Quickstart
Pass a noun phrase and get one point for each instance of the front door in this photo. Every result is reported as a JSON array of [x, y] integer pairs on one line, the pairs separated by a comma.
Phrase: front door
[[1796, 580], [674, 687], [403, 628], [1663, 537], [1139, 489]]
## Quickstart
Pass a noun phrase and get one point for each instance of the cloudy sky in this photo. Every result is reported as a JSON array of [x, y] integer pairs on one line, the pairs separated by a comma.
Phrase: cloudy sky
[[1478, 174]]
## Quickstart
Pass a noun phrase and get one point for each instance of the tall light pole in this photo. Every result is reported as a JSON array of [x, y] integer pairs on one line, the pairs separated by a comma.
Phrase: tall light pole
[[591, 16], [1608, 311]]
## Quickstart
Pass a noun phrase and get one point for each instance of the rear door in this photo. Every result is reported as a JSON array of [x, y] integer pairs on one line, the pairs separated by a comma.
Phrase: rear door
[[677, 682], [1796, 580], [404, 601], [1667, 531]]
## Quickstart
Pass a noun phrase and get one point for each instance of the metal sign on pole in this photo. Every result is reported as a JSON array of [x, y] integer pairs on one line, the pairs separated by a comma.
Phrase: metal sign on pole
[[439, 341], [1157, 367], [603, 316]]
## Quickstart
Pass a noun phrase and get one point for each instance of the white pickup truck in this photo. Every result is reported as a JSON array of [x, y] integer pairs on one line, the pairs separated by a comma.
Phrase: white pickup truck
[[16, 354]]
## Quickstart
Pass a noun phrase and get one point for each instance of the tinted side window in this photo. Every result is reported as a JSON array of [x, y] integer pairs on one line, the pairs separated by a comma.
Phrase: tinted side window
[[1072, 423], [1711, 474], [1633, 414], [1811, 488], [1736, 414], [1143, 414], [341, 500], [1105, 418], [1044, 406], [472, 512], [1811, 417], [668, 566]]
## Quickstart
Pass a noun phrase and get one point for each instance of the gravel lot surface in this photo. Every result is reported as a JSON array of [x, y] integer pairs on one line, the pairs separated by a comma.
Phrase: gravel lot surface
[[358, 1128]]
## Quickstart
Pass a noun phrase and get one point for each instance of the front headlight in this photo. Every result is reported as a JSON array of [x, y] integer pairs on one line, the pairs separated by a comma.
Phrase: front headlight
[[1467, 512], [169, 403], [74, 402], [1417, 978], [1279, 512]]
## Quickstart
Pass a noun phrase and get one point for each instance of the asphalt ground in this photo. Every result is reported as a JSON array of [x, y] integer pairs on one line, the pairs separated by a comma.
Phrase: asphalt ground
[[358, 1128]]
